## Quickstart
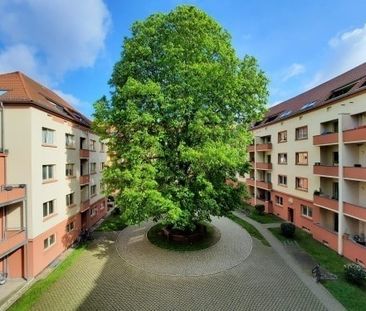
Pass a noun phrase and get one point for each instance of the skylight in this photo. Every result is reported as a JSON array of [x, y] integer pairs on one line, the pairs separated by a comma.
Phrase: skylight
[[308, 105], [2, 92], [285, 114], [342, 90]]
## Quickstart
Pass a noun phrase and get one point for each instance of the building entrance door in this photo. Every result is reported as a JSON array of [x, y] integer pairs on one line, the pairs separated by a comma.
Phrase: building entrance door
[[290, 215]]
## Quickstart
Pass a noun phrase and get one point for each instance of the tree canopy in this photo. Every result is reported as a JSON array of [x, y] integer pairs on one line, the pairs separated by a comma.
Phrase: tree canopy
[[177, 122]]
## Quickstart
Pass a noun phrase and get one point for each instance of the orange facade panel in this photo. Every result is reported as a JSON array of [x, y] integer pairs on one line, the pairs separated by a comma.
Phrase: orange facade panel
[[84, 179], [13, 239], [355, 173], [355, 135], [84, 205], [260, 147], [354, 251], [84, 153], [323, 170], [326, 202], [325, 139], [264, 185], [9, 194], [325, 236], [250, 182]]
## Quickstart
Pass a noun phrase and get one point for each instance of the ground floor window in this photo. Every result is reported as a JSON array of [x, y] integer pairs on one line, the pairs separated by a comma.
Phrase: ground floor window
[[70, 226], [279, 200], [306, 211], [49, 241]]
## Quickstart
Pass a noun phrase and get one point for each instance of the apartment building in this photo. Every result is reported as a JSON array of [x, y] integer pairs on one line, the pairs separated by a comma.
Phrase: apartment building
[[50, 172], [309, 163]]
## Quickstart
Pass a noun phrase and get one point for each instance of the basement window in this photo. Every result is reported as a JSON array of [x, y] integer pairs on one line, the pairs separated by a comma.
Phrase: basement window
[[341, 91]]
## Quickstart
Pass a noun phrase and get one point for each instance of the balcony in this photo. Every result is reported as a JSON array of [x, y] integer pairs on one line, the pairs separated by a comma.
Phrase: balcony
[[324, 170], [354, 251], [326, 202], [84, 153], [261, 147], [260, 184], [354, 210], [325, 236], [85, 179], [9, 193], [357, 135], [325, 139], [263, 166], [11, 240], [355, 173], [84, 205]]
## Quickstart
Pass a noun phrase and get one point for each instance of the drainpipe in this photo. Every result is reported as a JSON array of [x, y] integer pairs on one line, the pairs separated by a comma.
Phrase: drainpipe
[[2, 126], [340, 183], [255, 170], [25, 214]]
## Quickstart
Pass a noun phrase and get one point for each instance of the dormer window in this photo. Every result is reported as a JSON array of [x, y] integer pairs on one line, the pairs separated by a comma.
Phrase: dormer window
[[342, 90]]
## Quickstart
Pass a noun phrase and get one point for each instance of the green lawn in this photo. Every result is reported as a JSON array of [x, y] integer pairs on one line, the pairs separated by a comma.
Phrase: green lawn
[[31, 296], [351, 296], [261, 218], [112, 223], [250, 228]]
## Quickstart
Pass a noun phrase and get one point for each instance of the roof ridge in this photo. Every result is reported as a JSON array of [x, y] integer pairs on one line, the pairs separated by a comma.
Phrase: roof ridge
[[20, 74]]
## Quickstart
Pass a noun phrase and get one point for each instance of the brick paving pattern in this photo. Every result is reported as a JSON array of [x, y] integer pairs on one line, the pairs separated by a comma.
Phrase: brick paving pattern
[[101, 280]]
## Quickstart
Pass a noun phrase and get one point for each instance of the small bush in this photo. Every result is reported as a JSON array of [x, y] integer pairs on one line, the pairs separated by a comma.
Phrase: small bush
[[288, 229], [259, 208], [355, 273], [116, 211]]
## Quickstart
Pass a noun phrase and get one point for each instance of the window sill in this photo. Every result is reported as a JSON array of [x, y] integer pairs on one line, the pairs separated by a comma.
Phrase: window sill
[[279, 205], [303, 190], [70, 147], [93, 195], [49, 181], [297, 139], [307, 217], [71, 177], [71, 206], [282, 185], [281, 142], [301, 164], [282, 163], [48, 145]]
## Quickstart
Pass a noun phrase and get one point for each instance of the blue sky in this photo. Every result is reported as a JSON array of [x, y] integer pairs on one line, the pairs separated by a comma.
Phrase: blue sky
[[71, 46]]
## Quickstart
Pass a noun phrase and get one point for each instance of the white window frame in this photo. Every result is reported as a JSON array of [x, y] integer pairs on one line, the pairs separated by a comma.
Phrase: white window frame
[[70, 196], [49, 241], [284, 178], [92, 145], [70, 227], [278, 200], [93, 167], [48, 136], [91, 191], [93, 211], [49, 208], [301, 133], [68, 169], [49, 169], [306, 211], [69, 140], [282, 155]]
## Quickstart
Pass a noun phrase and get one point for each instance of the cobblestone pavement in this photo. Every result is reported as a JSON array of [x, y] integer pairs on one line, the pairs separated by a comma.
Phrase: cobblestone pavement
[[101, 280], [234, 246]]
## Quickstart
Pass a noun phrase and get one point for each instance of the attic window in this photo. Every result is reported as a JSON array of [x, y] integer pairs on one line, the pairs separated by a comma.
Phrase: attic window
[[257, 123], [308, 105], [341, 91], [271, 118], [363, 84], [2, 92], [285, 114]]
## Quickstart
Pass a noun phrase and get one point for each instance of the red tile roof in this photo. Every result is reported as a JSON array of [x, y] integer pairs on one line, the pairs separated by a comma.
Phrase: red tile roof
[[318, 95], [16, 87]]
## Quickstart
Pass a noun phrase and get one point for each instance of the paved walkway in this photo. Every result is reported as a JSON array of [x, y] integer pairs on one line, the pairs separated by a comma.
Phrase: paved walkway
[[101, 280], [317, 289], [233, 247]]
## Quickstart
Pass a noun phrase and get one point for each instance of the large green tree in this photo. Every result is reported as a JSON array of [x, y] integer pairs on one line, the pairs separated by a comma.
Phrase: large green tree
[[177, 122]]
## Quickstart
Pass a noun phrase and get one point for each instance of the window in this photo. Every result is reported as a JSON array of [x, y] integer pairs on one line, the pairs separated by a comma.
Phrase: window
[[70, 227], [70, 199], [93, 211], [48, 136], [93, 190], [48, 208], [69, 170], [49, 241], [301, 158], [301, 183], [93, 167], [306, 211], [48, 172], [102, 147], [342, 90], [282, 136], [282, 158], [279, 200], [102, 205], [92, 145], [301, 133], [102, 166], [308, 105], [282, 180], [69, 141]]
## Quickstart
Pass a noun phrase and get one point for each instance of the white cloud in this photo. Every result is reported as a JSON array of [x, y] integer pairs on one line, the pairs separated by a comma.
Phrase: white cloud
[[348, 50], [71, 99], [293, 71]]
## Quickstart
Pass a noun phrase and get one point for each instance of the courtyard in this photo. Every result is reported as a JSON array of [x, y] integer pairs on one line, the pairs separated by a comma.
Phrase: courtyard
[[122, 271]]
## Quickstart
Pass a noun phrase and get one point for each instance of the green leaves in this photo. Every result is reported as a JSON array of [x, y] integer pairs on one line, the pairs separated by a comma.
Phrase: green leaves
[[177, 122]]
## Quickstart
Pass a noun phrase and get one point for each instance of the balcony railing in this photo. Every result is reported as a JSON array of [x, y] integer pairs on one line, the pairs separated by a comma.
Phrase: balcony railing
[[84, 153], [84, 205], [261, 147], [354, 250], [324, 170], [356, 135], [9, 193], [11, 239], [260, 184], [263, 166], [354, 210], [325, 139], [355, 173], [326, 202], [326, 236], [85, 179]]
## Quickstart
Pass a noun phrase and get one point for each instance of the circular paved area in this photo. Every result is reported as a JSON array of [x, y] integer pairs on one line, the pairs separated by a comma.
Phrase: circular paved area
[[233, 247], [101, 280]]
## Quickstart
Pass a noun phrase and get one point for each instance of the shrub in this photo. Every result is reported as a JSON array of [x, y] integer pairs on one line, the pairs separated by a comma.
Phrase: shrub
[[288, 229], [116, 211], [354, 273], [259, 208]]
